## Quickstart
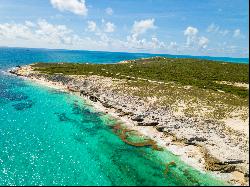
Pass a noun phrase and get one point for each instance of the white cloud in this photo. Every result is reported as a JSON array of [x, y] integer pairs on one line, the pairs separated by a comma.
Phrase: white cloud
[[75, 6], [53, 33], [29, 24], [109, 27], [106, 27], [191, 34], [101, 39], [15, 31], [92, 26], [193, 39], [109, 11], [203, 42], [142, 26], [41, 33], [237, 33], [224, 32], [134, 42], [44, 34], [131, 43], [173, 46], [213, 28], [155, 43], [191, 31]]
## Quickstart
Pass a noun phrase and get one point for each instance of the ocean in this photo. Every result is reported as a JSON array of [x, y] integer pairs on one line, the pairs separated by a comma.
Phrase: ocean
[[49, 137]]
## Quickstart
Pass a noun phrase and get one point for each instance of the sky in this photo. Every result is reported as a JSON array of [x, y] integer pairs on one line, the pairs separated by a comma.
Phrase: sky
[[184, 27]]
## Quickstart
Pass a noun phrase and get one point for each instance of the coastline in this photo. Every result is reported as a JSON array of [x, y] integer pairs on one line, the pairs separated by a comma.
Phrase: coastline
[[191, 154]]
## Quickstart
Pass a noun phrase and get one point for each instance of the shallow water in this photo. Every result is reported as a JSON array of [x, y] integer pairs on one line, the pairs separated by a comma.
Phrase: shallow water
[[48, 137]]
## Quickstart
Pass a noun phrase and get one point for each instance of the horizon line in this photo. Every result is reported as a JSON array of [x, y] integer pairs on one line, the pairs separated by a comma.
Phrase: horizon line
[[126, 52]]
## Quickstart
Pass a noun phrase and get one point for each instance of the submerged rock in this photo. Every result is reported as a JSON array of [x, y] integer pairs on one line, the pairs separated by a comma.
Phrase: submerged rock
[[23, 106], [62, 117], [13, 96]]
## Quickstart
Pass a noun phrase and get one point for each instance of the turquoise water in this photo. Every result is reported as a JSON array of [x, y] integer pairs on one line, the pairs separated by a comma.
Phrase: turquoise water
[[50, 137]]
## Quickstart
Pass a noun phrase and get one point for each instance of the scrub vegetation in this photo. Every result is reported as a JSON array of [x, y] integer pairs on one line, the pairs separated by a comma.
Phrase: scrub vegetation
[[192, 82], [204, 74]]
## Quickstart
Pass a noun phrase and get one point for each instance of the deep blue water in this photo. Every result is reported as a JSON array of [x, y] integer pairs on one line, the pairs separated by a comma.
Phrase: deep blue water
[[48, 137], [13, 56]]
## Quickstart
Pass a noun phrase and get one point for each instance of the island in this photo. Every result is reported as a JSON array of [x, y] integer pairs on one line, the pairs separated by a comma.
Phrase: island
[[197, 109]]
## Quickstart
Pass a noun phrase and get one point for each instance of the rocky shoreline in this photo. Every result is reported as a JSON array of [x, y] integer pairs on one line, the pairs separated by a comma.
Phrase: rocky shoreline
[[203, 143]]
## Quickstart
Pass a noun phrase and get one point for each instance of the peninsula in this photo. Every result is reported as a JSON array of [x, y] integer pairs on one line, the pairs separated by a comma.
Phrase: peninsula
[[197, 109]]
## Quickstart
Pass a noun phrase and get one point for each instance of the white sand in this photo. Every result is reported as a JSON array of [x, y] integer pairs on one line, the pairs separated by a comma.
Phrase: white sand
[[238, 125]]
